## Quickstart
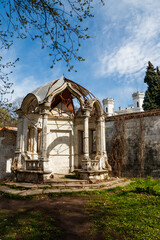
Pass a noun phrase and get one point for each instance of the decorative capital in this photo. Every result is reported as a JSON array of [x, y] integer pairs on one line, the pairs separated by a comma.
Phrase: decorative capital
[[45, 108], [86, 112], [101, 119]]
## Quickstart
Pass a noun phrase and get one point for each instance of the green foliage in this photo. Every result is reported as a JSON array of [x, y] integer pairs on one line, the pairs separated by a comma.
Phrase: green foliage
[[27, 224], [58, 24], [148, 186], [129, 213], [6, 120], [17, 196], [152, 95]]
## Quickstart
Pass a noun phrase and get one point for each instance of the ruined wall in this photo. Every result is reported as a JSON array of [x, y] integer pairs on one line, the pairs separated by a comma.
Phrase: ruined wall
[[133, 144], [7, 149]]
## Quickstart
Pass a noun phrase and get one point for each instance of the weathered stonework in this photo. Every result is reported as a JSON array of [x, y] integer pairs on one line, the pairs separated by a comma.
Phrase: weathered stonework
[[7, 149], [53, 137], [133, 144]]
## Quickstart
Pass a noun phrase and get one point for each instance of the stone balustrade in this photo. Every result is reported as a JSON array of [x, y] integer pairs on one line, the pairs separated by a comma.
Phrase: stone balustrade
[[33, 165]]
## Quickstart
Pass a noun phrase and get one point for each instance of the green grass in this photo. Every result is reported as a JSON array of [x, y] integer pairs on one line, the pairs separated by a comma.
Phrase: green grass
[[14, 186], [27, 225], [16, 196], [127, 213], [120, 213], [46, 187]]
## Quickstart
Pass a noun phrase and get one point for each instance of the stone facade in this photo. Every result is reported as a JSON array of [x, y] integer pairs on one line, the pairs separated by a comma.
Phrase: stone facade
[[133, 144], [55, 137], [7, 149]]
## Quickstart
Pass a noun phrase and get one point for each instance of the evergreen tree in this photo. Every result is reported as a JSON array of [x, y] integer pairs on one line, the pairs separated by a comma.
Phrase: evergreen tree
[[158, 96], [152, 95]]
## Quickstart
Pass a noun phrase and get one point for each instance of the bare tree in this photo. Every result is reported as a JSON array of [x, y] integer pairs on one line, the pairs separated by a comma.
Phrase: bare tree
[[6, 91], [5, 85], [57, 23]]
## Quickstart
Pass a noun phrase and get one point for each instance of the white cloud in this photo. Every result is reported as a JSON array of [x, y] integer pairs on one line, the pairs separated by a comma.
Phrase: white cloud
[[138, 26], [22, 88]]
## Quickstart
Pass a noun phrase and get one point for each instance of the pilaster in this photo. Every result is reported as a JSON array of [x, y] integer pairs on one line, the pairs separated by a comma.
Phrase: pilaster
[[86, 162]]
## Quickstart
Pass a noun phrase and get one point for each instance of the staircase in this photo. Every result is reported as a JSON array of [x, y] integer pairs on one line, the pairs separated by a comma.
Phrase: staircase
[[59, 185]]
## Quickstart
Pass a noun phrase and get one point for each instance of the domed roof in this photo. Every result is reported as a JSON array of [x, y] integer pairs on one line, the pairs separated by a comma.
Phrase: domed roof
[[47, 89]]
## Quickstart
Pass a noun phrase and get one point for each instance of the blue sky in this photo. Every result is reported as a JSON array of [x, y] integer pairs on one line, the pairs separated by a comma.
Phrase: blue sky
[[124, 37]]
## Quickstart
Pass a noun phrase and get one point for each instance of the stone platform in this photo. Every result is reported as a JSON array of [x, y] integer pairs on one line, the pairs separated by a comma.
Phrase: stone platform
[[91, 175], [59, 186]]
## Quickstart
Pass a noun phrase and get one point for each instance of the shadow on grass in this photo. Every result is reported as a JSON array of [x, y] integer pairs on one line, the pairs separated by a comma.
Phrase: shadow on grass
[[27, 225]]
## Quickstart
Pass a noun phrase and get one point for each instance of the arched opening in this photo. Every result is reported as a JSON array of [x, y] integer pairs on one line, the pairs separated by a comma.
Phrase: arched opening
[[62, 103], [30, 104], [66, 102], [137, 104]]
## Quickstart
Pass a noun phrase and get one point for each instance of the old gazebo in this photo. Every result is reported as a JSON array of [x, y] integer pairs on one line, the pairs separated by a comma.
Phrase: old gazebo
[[61, 129]]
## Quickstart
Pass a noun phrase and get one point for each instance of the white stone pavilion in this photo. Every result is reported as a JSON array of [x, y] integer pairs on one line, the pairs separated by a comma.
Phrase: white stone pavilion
[[61, 129]]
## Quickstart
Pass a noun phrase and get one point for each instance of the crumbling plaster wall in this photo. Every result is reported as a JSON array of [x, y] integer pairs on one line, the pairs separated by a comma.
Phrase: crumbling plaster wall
[[133, 144], [7, 149]]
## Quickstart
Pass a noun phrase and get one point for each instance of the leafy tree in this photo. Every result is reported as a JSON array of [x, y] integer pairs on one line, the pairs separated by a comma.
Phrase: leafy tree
[[152, 95], [57, 23], [6, 120]]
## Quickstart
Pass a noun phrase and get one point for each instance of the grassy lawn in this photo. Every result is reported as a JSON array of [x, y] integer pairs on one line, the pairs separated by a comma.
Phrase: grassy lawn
[[127, 213], [132, 212], [27, 224]]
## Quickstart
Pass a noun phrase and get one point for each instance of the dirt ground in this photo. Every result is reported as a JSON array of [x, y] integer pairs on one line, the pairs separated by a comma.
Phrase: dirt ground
[[68, 211]]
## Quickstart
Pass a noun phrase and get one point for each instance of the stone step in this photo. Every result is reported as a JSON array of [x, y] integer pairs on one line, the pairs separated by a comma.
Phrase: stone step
[[71, 182], [22, 185], [79, 184], [29, 192], [66, 181]]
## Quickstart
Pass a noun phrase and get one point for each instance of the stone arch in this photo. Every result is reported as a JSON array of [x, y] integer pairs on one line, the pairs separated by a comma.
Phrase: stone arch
[[99, 108], [68, 86], [95, 103], [30, 104]]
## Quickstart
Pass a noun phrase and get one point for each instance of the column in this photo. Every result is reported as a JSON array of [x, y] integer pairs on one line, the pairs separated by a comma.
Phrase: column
[[98, 136], [100, 133], [86, 162], [35, 142], [19, 133], [44, 137], [76, 144], [43, 159], [25, 129], [102, 148], [104, 136], [86, 135], [17, 160]]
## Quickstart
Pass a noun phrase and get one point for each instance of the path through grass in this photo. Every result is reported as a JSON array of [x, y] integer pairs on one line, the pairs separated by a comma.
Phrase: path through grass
[[129, 213]]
